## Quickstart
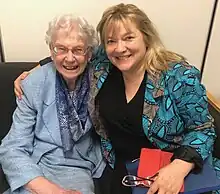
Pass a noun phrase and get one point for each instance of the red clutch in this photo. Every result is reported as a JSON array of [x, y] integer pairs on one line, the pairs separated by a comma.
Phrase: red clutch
[[151, 161]]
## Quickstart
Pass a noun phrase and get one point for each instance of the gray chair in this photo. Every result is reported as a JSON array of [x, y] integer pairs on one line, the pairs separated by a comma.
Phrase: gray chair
[[8, 73]]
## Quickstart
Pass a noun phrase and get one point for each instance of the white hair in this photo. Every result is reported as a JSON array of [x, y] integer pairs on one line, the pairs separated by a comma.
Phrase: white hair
[[68, 22]]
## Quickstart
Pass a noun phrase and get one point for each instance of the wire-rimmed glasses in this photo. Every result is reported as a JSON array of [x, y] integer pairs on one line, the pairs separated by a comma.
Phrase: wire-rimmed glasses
[[61, 50], [135, 181]]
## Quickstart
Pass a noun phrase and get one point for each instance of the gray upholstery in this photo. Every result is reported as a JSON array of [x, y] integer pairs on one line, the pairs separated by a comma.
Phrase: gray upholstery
[[8, 73]]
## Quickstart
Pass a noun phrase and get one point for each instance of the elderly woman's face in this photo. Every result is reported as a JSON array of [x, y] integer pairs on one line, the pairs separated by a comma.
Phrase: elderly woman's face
[[70, 54]]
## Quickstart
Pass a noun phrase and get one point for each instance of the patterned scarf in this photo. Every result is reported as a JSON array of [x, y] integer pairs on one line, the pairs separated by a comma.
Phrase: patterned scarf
[[72, 110]]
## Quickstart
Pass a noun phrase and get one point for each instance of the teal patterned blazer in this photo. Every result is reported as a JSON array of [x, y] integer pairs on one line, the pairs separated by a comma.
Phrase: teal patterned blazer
[[175, 109]]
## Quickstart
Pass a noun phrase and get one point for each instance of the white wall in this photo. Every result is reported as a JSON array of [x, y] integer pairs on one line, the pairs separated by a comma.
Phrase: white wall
[[211, 75], [183, 24]]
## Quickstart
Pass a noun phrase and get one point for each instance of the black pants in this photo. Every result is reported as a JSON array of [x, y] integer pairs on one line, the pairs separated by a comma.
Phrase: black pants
[[110, 182]]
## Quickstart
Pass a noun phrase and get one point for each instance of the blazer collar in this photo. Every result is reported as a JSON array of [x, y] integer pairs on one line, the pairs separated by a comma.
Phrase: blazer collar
[[50, 117], [154, 84], [50, 81]]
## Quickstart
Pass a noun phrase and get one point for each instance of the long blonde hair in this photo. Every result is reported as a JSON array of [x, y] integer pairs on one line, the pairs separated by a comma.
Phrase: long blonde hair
[[157, 57]]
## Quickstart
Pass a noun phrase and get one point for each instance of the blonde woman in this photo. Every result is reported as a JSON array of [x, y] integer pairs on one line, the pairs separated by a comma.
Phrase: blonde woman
[[146, 96]]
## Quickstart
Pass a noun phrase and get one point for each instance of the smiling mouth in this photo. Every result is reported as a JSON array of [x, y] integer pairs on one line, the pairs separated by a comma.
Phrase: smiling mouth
[[123, 57], [71, 68]]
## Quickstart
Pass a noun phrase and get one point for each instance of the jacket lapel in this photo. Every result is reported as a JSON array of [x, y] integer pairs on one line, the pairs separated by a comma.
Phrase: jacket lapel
[[98, 76], [50, 117], [153, 92]]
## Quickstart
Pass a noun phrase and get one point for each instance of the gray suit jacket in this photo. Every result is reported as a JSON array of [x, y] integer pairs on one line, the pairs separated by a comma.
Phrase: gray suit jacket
[[33, 145]]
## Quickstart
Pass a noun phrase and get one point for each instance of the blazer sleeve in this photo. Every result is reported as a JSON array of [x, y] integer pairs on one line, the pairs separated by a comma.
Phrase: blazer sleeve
[[17, 146], [192, 104]]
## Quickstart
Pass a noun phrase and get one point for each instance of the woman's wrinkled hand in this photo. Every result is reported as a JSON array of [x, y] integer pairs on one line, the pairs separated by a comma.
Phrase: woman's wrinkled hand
[[17, 84], [41, 185], [171, 178]]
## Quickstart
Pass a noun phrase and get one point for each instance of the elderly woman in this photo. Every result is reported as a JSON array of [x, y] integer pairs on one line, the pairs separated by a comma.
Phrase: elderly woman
[[50, 147]]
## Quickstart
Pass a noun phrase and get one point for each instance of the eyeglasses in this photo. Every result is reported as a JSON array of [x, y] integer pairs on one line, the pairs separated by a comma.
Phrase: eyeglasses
[[60, 50], [135, 181]]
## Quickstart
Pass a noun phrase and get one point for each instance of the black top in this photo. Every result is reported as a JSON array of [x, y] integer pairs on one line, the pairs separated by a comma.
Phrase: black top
[[123, 122]]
